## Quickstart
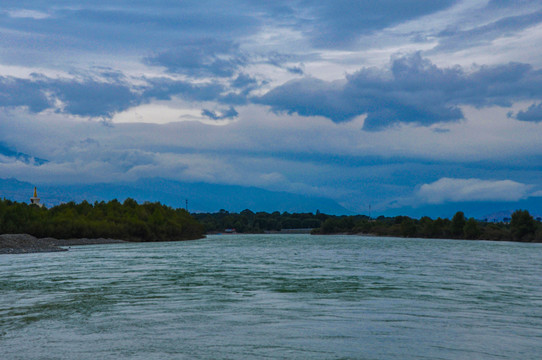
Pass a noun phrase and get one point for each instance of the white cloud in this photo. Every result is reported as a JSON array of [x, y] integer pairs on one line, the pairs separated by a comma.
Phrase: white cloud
[[25, 13], [302, 155], [456, 190]]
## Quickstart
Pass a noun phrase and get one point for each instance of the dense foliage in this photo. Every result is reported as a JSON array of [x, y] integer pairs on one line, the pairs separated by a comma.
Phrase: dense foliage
[[156, 222], [522, 226], [249, 222], [128, 221]]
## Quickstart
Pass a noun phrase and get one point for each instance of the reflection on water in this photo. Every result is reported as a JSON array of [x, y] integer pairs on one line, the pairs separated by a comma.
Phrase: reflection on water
[[275, 296]]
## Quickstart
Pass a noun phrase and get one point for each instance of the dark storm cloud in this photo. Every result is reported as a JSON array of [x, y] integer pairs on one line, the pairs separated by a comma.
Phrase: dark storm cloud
[[414, 91], [479, 35], [142, 27], [203, 37], [222, 115], [22, 92], [89, 97], [79, 97], [339, 23], [9, 152], [533, 113], [135, 25], [296, 70], [201, 57], [244, 81], [203, 40], [165, 88]]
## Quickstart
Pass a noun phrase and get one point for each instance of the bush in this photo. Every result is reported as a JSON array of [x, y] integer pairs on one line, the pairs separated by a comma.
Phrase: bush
[[128, 221]]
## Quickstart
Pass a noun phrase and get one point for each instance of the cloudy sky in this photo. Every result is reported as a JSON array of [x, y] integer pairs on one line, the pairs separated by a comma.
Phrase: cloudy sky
[[396, 104]]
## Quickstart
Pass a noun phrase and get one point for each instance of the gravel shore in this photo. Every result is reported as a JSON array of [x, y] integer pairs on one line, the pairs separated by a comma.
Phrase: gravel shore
[[24, 243]]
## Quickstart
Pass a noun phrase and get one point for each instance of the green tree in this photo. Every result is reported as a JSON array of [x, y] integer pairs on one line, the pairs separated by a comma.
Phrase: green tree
[[471, 230], [427, 227], [458, 223], [441, 227], [522, 226], [408, 227]]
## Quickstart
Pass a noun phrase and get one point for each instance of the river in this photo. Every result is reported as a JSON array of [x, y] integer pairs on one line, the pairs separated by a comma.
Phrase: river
[[275, 297]]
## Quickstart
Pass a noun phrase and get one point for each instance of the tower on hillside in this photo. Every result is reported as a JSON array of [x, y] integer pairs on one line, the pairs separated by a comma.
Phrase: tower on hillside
[[35, 200]]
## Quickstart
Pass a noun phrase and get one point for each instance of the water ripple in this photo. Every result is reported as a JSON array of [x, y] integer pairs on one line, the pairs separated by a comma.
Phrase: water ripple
[[275, 297]]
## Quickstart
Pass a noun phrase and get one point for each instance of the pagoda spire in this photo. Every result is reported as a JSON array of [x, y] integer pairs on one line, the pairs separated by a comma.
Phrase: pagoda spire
[[35, 200]]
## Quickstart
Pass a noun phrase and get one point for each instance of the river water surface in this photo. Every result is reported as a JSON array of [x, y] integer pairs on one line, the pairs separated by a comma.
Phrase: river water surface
[[275, 297]]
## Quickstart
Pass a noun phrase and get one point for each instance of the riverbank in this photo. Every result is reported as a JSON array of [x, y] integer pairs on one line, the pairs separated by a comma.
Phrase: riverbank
[[24, 243]]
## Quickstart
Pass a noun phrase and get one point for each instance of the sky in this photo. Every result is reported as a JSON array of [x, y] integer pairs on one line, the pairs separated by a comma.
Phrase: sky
[[400, 106]]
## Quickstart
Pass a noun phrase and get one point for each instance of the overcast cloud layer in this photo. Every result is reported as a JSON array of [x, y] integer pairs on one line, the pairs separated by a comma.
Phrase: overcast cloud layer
[[393, 104]]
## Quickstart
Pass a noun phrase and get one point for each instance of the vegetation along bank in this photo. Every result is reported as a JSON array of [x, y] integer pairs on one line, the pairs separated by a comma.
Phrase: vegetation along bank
[[131, 221], [127, 221], [521, 227]]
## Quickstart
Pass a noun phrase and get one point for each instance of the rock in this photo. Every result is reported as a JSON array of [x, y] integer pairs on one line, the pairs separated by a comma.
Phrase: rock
[[24, 243]]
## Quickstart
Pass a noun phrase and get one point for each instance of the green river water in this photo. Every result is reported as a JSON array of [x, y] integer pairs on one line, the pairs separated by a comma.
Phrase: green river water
[[275, 297]]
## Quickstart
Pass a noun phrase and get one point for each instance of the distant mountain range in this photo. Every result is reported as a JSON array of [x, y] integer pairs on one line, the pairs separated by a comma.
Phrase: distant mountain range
[[505, 214], [499, 216], [201, 197]]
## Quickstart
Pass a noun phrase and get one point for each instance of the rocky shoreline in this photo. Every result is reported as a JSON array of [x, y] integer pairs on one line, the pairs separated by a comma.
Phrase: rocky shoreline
[[24, 243]]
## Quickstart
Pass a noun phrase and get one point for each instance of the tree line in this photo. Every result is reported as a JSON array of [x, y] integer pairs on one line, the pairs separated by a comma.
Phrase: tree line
[[156, 222], [250, 222], [127, 221], [522, 226]]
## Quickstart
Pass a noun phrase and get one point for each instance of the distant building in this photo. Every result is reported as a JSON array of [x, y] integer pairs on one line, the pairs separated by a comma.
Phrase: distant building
[[35, 200]]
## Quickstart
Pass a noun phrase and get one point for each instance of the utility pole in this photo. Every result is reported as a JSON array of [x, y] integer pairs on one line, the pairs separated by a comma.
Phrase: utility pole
[[369, 211], [186, 205]]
